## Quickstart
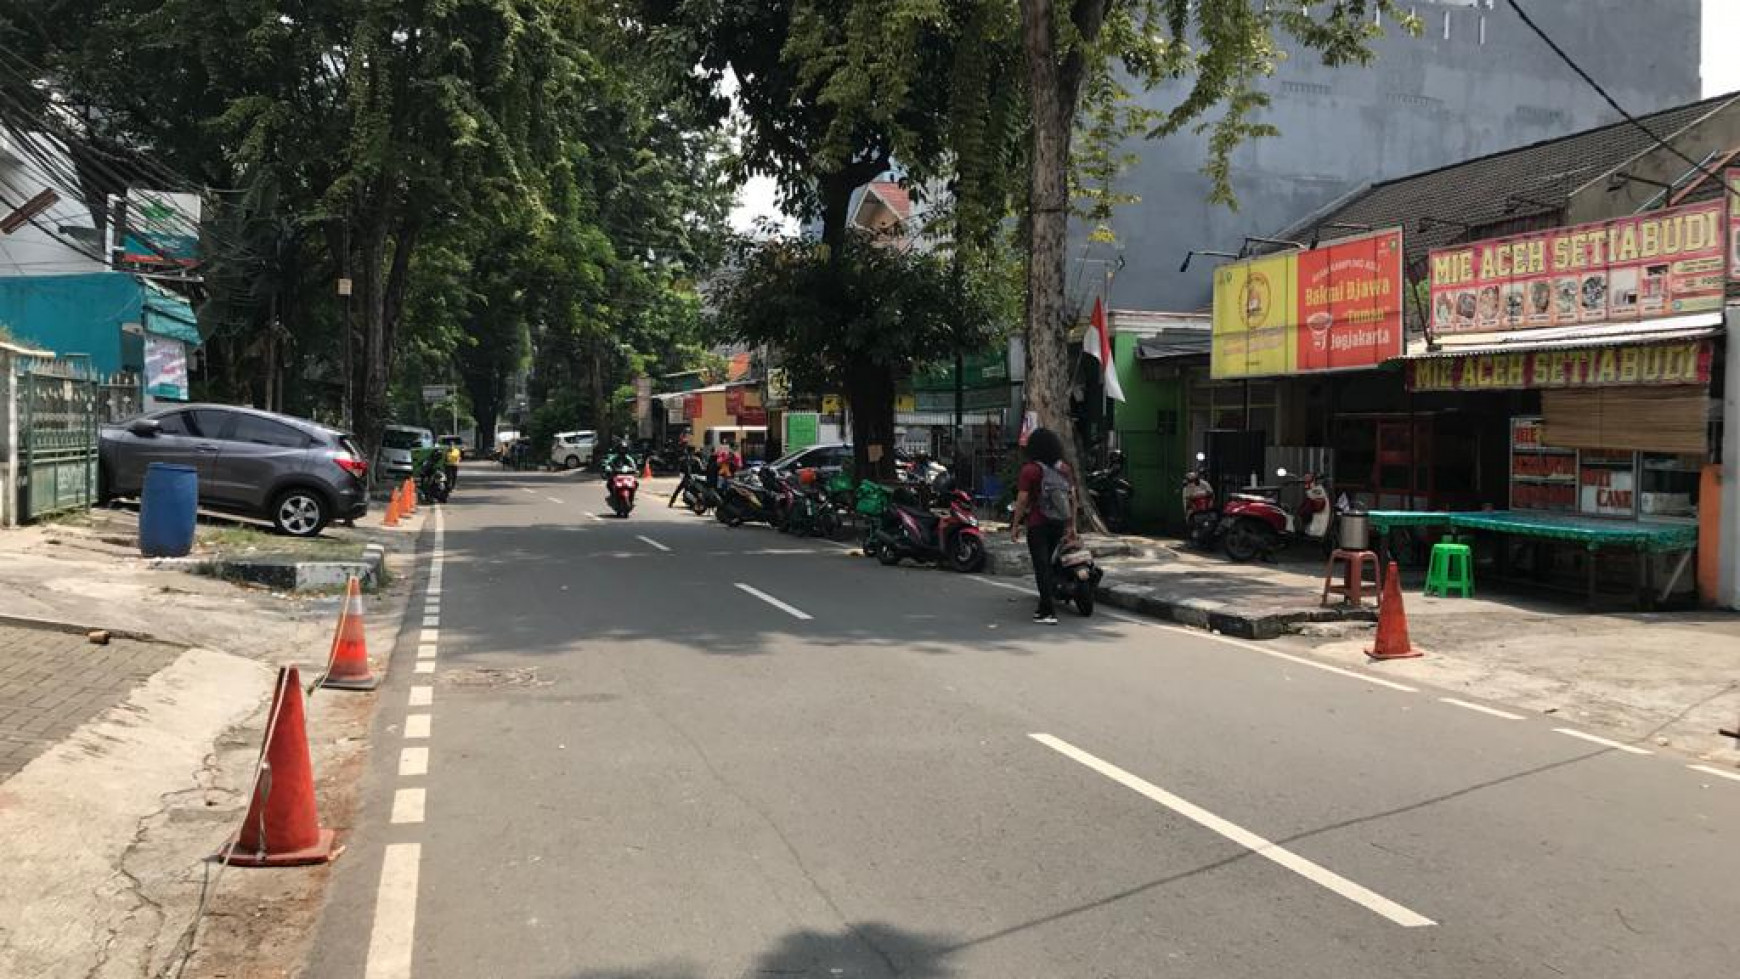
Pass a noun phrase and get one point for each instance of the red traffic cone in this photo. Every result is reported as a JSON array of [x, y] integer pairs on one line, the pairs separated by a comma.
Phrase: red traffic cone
[[646, 469], [1392, 629], [347, 667], [283, 824], [392, 517]]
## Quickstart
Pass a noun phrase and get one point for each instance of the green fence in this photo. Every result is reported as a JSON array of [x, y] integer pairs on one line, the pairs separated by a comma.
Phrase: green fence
[[57, 437]]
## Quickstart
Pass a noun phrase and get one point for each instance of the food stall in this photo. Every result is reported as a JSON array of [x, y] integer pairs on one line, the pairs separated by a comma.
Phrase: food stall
[[1614, 327]]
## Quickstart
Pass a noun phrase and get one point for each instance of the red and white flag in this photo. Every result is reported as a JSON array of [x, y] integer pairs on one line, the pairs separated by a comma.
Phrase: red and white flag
[[1097, 343]]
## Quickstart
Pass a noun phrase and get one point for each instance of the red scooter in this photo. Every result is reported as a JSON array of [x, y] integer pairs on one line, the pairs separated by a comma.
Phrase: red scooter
[[619, 490], [1257, 526], [911, 532]]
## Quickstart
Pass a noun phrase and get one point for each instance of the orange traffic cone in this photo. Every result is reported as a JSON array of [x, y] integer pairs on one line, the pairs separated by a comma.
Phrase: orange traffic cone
[[347, 666], [1392, 630], [283, 824], [392, 517], [410, 496], [646, 469]]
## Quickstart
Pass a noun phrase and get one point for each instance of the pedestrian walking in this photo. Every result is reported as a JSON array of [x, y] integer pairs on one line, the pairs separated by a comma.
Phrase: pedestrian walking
[[1045, 511]]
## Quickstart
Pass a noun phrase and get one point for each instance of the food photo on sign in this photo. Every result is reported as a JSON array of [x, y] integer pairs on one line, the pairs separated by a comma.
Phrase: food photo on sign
[[1664, 263]]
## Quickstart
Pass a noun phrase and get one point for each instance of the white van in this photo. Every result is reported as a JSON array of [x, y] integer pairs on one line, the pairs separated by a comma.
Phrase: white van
[[750, 441], [571, 450]]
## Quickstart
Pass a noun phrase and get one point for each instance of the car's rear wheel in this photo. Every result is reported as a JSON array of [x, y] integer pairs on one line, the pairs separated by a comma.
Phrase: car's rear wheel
[[572, 462], [300, 513]]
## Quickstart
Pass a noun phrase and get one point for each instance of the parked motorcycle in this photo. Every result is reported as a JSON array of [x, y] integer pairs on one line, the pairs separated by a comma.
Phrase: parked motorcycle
[[1254, 525], [697, 495], [907, 531], [747, 499], [1201, 512], [1075, 575], [620, 485], [1112, 493], [432, 483], [812, 511]]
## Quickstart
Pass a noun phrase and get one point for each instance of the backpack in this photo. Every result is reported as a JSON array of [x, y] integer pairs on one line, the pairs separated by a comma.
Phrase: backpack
[[1055, 493]]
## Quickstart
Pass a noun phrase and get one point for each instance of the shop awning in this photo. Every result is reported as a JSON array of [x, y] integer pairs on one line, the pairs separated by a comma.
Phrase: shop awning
[[1173, 344], [1690, 327], [168, 315]]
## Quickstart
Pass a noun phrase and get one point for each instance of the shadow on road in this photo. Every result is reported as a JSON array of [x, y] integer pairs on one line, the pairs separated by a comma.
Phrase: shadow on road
[[857, 952]]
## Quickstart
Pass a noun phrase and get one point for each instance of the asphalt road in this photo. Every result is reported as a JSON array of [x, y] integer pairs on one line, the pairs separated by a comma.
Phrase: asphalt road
[[661, 748]]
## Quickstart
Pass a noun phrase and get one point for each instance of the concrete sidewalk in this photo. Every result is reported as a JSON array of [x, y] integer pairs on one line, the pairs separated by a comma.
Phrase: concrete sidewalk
[[1670, 679], [124, 766]]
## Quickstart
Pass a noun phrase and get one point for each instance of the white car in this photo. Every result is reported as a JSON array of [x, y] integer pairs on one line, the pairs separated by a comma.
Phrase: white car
[[399, 445], [571, 450]]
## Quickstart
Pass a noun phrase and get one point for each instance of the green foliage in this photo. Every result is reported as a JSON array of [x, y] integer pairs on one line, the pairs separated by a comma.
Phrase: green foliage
[[880, 306]]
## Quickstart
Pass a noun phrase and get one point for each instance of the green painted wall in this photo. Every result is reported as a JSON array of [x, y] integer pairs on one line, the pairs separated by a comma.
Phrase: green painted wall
[[1152, 430]]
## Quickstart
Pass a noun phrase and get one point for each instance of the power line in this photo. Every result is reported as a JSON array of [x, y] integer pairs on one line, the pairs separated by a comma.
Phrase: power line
[[1610, 100]]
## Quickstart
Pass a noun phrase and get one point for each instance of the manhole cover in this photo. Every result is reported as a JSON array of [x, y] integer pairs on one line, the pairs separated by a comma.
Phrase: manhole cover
[[486, 677]]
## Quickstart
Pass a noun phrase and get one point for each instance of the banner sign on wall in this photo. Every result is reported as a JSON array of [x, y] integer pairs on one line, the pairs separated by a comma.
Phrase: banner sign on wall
[[165, 368], [1646, 266], [1640, 366], [1334, 307]]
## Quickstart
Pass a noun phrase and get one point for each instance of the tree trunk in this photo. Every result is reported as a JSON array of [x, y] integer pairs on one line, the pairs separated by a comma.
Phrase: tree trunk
[[870, 392], [1054, 82], [1048, 223]]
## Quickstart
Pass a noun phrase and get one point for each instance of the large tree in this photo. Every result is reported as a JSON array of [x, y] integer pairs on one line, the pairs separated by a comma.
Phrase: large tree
[[1082, 55]]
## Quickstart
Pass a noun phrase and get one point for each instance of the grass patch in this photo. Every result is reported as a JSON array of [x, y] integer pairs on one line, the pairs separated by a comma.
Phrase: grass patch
[[80, 517], [233, 541]]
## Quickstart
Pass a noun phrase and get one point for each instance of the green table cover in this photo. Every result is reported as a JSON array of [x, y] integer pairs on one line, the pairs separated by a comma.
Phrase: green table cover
[[1592, 532]]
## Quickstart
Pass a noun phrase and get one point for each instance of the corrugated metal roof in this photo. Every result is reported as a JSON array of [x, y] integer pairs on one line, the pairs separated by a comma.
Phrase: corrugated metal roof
[[1502, 193], [1171, 344]]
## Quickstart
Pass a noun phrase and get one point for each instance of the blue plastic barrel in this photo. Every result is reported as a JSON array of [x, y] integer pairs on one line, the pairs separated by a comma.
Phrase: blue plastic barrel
[[167, 508]]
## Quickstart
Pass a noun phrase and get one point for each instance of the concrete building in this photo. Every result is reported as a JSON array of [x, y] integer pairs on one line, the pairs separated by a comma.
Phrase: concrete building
[[1475, 82]]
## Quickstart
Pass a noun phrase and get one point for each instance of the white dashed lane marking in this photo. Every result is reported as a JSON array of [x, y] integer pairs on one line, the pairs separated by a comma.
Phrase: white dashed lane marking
[[1709, 770], [654, 543], [421, 697], [395, 926], [1629, 749], [776, 603], [407, 806], [1259, 846], [1481, 708], [413, 761]]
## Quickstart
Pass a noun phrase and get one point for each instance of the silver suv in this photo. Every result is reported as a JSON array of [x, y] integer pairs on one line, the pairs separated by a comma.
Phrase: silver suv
[[293, 472]]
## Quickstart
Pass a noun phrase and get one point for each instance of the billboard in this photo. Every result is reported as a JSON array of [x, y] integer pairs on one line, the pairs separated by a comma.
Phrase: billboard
[[1732, 193], [161, 229], [165, 368], [1335, 307], [1639, 267]]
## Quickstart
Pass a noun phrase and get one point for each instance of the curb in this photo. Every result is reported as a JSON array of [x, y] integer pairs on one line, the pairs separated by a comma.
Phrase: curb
[[289, 575], [1200, 613]]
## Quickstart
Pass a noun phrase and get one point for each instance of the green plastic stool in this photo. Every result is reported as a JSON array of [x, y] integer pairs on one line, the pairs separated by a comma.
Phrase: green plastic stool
[[1452, 567]]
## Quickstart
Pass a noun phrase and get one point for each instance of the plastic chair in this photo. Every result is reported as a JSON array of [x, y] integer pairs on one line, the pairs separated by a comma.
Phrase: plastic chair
[[1452, 567]]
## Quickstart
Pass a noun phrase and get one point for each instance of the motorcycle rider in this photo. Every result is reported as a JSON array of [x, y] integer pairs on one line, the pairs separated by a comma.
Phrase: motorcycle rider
[[618, 456]]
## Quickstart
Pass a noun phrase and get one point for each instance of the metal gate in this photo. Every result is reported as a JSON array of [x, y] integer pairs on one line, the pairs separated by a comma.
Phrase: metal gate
[[57, 437]]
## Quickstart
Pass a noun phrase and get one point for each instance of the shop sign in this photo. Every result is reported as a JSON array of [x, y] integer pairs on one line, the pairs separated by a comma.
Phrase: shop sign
[[1651, 365], [692, 406], [1335, 307], [1733, 194], [752, 415], [831, 404], [1641, 267], [802, 430], [734, 401]]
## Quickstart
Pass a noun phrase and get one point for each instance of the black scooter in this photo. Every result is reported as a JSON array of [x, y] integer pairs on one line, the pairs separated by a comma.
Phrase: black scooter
[[747, 499], [432, 484], [1075, 576], [1112, 493]]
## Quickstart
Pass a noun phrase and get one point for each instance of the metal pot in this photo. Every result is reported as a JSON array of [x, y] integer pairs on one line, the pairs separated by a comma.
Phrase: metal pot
[[1354, 533]]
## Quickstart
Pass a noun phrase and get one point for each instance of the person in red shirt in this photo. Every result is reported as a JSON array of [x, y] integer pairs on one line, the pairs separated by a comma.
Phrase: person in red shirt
[[1039, 518]]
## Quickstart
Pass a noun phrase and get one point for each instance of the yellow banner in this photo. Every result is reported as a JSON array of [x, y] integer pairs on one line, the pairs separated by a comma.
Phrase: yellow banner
[[1256, 309]]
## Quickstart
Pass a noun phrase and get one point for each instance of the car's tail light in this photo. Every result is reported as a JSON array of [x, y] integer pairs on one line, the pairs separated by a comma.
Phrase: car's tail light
[[350, 464]]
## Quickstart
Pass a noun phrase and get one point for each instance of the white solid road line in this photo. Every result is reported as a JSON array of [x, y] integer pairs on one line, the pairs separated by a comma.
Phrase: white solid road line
[[421, 697], [528, 489], [395, 925], [1708, 770], [413, 761], [593, 516], [776, 603], [408, 806], [1615, 745], [417, 726], [556, 501], [1482, 708], [1315, 873], [654, 543]]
